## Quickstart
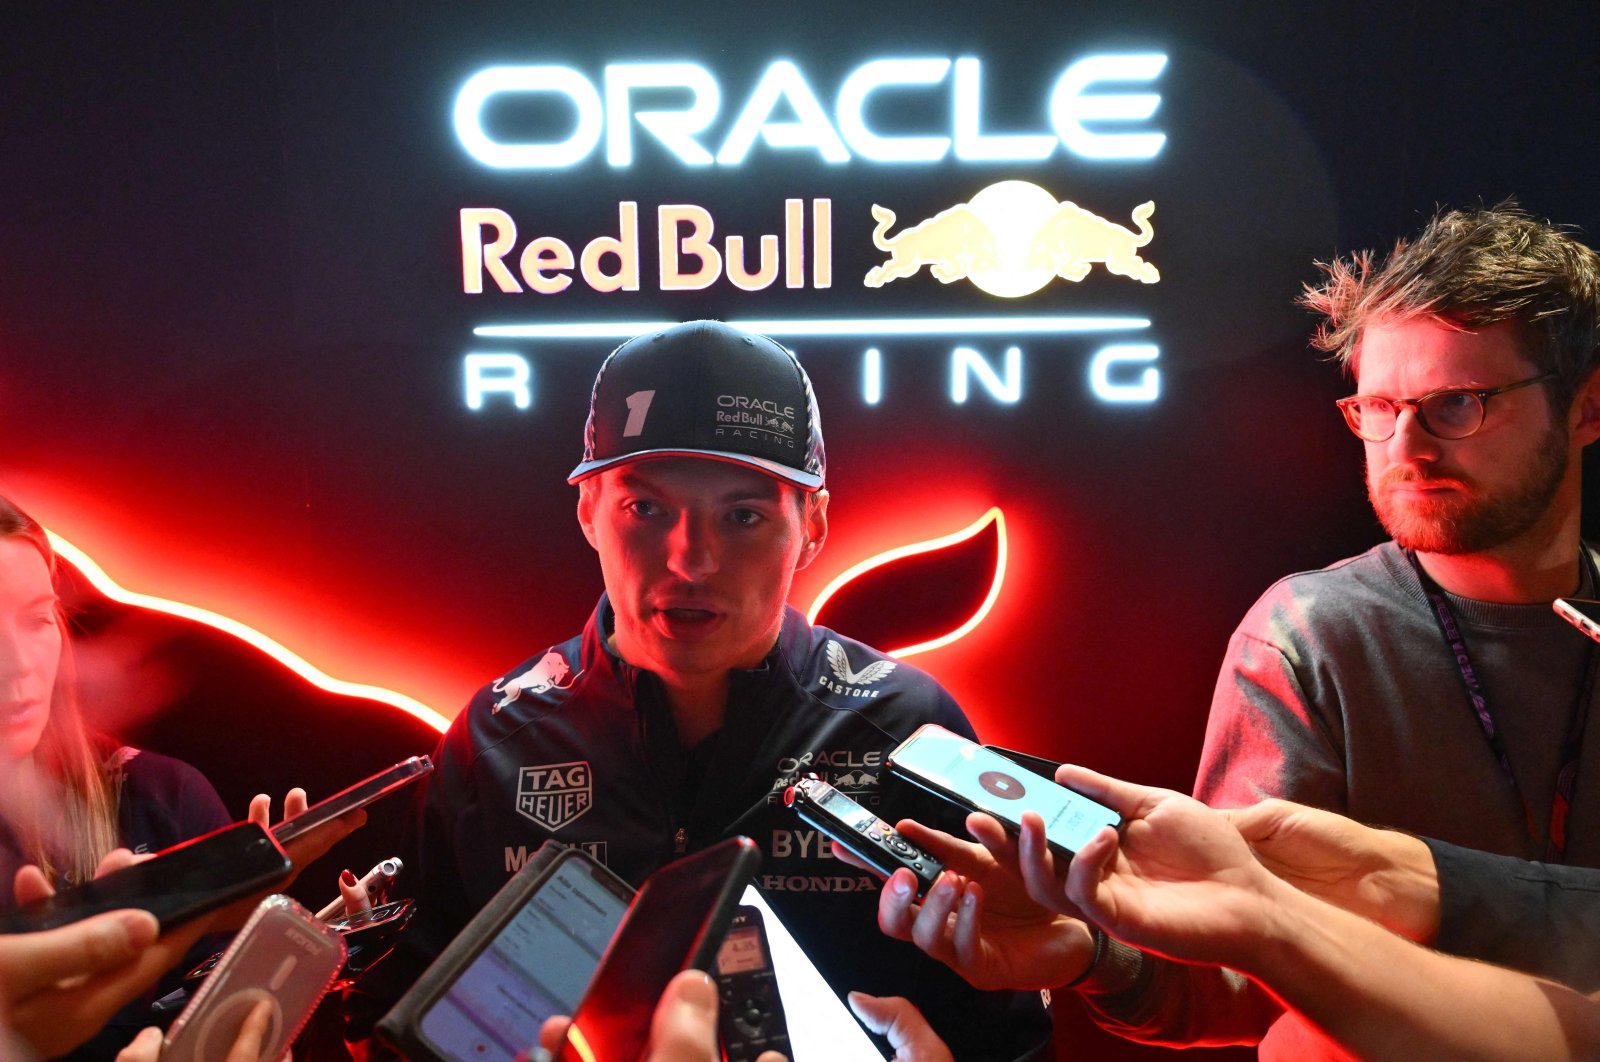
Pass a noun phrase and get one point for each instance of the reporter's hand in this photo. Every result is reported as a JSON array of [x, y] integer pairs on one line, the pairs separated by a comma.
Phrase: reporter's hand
[[977, 918], [684, 1028], [898, 1019], [1179, 880], [146, 1047], [1384, 875], [309, 847], [61, 985]]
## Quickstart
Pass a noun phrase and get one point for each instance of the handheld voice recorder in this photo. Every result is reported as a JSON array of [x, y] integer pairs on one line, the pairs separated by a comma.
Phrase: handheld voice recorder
[[860, 832]]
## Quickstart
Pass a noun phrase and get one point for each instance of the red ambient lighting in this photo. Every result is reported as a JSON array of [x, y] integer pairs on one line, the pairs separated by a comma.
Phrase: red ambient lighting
[[102, 582], [947, 542]]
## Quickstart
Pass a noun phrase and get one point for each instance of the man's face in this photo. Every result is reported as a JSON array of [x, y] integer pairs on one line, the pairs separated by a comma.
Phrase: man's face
[[1464, 495], [697, 556]]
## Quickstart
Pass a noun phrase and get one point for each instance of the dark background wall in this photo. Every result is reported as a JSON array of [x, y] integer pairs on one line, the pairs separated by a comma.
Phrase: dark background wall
[[232, 325]]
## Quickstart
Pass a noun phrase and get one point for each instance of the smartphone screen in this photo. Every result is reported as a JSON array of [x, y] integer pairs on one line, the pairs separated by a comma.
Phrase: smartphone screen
[[957, 769], [359, 795], [1581, 613], [536, 965], [677, 922], [175, 885]]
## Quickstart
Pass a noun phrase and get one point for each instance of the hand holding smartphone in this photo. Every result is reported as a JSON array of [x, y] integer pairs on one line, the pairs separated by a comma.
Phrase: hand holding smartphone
[[950, 766], [283, 960], [176, 884], [357, 796], [675, 923], [525, 957]]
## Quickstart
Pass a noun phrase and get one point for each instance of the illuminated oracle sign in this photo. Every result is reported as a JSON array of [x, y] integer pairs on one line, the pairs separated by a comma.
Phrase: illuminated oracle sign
[[1088, 118], [1009, 238]]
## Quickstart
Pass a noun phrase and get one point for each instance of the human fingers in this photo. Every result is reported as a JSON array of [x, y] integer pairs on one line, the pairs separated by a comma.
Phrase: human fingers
[[31, 962], [931, 929], [899, 1021], [146, 1047], [247, 1044], [684, 1028], [1041, 878], [352, 893], [119, 859], [1125, 798], [295, 802], [952, 851], [30, 884], [260, 811], [897, 904], [1088, 869], [553, 1033]]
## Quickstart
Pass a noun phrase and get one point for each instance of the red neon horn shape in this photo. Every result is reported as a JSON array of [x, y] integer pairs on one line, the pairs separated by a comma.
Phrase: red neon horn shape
[[923, 595]]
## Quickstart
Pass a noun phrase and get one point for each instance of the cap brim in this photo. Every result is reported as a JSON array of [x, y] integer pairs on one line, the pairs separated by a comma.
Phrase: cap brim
[[804, 480]]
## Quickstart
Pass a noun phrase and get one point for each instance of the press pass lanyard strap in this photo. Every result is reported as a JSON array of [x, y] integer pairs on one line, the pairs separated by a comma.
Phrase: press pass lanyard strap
[[1577, 719]]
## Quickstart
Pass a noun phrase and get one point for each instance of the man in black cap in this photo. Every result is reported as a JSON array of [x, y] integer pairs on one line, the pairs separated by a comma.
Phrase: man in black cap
[[695, 696]]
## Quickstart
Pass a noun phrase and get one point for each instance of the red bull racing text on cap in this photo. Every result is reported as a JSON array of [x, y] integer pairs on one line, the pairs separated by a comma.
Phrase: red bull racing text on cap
[[705, 389]]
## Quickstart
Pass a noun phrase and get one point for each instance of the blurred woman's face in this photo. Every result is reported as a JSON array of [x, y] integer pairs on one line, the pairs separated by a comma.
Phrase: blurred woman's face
[[30, 647]]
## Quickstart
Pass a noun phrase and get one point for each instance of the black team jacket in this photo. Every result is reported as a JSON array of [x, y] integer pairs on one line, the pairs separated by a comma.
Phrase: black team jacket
[[579, 746]]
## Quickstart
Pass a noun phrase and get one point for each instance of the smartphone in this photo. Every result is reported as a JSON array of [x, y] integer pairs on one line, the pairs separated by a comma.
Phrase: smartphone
[[1037, 764], [750, 1010], [1581, 613], [357, 796], [285, 956], [175, 885], [965, 772], [675, 923], [526, 956]]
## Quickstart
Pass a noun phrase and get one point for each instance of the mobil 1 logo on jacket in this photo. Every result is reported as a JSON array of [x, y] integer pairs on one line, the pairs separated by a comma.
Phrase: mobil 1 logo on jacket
[[555, 794]]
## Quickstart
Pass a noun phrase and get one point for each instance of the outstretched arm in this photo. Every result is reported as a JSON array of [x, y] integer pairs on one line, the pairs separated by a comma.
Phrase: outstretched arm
[[1182, 881]]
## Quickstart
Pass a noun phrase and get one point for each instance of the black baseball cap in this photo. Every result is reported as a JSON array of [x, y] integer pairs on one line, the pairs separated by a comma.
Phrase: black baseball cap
[[704, 389]]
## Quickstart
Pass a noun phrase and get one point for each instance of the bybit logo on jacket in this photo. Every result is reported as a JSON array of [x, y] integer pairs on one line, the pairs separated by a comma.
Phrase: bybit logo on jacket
[[555, 794], [851, 683]]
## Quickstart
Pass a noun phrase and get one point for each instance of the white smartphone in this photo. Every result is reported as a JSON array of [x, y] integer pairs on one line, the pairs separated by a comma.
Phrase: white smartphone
[[965, 772], [283, 955], [1581, 613]]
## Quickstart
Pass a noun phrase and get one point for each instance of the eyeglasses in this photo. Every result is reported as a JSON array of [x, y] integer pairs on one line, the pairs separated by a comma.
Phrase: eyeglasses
[[1449, 413]]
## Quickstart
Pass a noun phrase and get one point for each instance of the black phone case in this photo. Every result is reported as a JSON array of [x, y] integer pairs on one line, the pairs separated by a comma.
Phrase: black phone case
[[400, 1027], [178, 884]]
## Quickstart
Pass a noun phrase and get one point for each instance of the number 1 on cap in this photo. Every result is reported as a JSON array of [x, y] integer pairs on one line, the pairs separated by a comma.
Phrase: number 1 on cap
[[638, 408]]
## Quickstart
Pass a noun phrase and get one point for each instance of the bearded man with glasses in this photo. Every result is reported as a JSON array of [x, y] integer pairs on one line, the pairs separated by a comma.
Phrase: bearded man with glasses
[[1426, 685]]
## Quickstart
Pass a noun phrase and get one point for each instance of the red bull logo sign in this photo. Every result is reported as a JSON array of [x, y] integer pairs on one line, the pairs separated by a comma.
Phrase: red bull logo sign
[[1012, 239]]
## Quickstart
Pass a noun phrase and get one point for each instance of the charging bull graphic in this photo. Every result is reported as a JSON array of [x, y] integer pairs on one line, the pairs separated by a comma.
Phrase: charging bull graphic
[[952, 244], [1072, 239], [547, 674], [1010, 240]]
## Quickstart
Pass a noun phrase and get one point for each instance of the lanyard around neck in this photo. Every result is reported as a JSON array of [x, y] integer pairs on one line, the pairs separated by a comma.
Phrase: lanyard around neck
[[1577, 719]]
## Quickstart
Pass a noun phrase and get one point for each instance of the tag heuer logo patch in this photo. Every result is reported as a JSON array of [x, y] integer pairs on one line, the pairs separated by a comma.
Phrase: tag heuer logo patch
[[556, 793]]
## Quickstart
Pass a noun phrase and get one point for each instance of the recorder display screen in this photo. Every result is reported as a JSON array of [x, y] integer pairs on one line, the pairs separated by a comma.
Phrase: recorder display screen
[[536, 966]]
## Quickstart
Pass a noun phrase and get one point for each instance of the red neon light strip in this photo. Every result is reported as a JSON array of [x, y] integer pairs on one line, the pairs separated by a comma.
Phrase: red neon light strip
[[994, 515], [312, 674]]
